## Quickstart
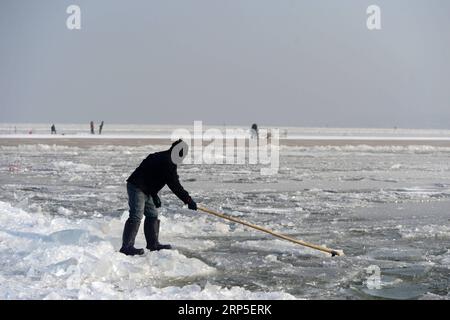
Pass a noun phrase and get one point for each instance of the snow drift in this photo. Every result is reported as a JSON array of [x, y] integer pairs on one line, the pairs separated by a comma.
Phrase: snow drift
[[48, 257]]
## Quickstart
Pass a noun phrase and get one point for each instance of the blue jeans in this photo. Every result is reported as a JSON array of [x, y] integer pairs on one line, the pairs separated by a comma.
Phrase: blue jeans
[[140, 204]]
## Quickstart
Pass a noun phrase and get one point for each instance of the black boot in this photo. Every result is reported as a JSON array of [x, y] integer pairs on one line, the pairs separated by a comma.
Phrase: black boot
[[151, 230], [129, 234]]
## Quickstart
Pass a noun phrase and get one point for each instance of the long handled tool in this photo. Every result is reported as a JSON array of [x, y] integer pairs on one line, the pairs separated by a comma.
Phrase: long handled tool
[[278, 235]]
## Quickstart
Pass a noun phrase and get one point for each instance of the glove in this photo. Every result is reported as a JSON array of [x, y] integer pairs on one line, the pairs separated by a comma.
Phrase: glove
[[192, 205], [156, 201]]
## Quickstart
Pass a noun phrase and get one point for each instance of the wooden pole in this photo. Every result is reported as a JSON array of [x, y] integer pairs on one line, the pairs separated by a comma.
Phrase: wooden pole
[[275, 234]]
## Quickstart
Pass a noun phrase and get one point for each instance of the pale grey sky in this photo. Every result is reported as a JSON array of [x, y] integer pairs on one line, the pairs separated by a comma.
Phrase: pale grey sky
[[277, 62]]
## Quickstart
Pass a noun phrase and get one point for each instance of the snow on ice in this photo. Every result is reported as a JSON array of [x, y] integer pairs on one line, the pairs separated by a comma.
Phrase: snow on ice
[[45, 257]]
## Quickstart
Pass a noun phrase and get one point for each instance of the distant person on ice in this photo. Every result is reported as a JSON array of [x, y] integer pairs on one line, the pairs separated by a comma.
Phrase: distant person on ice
[[254, 131], [156, 171], [53, 129], [100, 128], [92, 127]]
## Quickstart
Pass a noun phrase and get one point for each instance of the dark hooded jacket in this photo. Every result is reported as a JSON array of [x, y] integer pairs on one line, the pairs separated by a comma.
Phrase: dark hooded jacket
[[156, 171]]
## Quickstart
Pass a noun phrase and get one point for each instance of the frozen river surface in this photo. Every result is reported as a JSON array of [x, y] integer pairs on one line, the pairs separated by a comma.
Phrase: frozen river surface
[[62, 211]]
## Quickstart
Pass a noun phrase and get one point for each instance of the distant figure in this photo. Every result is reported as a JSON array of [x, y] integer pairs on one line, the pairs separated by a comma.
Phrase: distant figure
[[100, 128], [53, 129], [254, 130], [92, 127]]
